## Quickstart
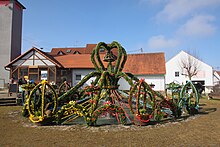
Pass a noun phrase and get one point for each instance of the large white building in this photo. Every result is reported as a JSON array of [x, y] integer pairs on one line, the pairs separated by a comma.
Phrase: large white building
[[175, 73], [216, 78]]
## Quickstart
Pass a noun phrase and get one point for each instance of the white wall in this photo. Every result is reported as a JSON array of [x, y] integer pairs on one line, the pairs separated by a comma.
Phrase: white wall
[[83, 73], [216, 78], [157, 80], [173, 65]]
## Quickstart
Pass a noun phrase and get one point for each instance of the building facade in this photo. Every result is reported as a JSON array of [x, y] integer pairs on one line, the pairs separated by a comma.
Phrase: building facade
[[36, 65], [73, 64], [216, 77], [148, 66], [175, 72], [11, 34]]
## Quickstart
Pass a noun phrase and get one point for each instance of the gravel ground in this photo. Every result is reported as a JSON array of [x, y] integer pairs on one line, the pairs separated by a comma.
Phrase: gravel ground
[[199, 130]]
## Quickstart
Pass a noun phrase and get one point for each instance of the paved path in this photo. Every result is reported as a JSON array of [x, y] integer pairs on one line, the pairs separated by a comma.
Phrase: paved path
[[4, 93]]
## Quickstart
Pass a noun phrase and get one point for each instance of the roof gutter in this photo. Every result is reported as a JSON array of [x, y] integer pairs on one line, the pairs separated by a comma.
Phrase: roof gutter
[[8, 69]]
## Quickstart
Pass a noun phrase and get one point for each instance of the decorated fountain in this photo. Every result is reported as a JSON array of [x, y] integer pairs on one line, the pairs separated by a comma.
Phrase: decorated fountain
[[103, 98]]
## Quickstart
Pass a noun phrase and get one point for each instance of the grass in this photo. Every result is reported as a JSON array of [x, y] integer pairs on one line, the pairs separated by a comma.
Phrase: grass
[[199, 130]]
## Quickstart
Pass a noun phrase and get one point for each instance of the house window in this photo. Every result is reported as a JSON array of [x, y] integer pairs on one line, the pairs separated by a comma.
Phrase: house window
[[63, 75], [68, 51], [177, 74], [102, 50], [60, 53], [23, 72], [33, 77], [63, 72], [78, 77], [76, 52]]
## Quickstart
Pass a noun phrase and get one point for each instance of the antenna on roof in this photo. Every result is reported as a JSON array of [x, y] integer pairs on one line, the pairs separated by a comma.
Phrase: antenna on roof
[[217, 68], [76, 43], [141, 50]]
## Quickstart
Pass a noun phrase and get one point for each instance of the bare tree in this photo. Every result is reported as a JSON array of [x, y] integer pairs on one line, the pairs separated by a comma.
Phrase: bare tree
[[189, 65]]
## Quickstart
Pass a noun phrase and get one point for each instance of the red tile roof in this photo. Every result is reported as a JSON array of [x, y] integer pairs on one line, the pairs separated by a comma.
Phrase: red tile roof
[[82, 50], [148, 63], [77, 61], [55, 51], [137, 64], [89, 48]]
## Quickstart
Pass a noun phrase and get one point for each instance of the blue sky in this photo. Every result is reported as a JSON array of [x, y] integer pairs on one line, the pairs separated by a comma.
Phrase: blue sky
[[154, 25]]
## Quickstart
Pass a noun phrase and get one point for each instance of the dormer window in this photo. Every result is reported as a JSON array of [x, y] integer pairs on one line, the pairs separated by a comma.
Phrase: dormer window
[[68, 51], [102, 50], [76, 52], [60, 53]]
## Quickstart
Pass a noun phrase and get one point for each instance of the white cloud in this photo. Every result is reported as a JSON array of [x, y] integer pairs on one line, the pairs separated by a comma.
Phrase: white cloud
[[160, 42], [198, 26], [176, 9]]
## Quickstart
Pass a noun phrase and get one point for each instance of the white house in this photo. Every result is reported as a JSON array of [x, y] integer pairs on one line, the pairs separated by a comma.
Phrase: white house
[[148, 66], [216, 77], [175, 72]]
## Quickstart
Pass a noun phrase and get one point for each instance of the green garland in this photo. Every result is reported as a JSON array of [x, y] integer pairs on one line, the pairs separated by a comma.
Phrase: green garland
[[64, 87], [104, 108], [106, 82], [74, 89], [186, 99], [38, 114]]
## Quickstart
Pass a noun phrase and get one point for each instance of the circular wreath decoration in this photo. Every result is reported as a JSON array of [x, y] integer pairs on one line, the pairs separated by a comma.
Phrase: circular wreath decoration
[[110, 108]]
